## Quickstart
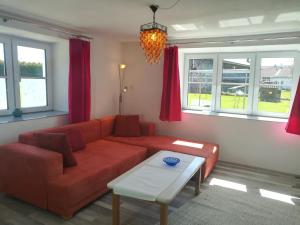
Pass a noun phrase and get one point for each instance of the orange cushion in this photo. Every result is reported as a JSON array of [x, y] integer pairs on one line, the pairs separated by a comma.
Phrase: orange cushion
[[57, 142], [127, 126], [76, 139], [91, 131], [107, 125]]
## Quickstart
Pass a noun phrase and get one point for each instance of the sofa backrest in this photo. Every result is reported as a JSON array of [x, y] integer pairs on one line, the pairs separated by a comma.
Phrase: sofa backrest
[[91, 131], [107, 127]]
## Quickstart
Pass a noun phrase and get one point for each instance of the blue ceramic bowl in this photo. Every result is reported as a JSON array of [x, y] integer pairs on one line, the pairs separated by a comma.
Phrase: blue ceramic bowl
[[171, 161]]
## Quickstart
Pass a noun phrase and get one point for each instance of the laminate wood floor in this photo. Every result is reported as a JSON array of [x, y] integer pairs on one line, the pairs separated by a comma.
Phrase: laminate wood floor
[[135, 212]]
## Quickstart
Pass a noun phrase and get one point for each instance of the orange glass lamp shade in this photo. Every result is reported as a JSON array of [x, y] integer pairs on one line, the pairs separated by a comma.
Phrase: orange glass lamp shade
[[153, 42], [153, 39]]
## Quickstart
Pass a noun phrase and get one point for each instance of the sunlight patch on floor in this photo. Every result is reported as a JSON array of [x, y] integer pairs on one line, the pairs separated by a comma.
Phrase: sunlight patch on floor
[[228, 184], [277, 196]]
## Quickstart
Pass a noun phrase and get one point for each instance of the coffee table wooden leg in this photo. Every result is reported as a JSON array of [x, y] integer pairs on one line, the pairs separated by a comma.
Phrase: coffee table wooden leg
[[115, 209], [198, 182], [163, 214]]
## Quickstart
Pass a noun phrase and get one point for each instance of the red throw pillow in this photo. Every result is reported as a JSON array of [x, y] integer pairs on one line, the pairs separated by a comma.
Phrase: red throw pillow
[[57, 142], [76, 139], [127, 126]]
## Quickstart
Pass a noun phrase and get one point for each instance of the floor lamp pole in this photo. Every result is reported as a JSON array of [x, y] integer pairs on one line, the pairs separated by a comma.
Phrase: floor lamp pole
[[122, 88], [120, 103]]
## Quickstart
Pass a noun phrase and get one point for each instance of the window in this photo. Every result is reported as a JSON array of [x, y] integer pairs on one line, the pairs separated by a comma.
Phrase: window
[[6, 77], [24, 76], [259, 83], [3, 88], [199, 81], [236, 75], [275, 80]]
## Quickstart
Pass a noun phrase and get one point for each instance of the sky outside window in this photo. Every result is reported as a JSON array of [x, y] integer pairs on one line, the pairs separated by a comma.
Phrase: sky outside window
[[32, 55], [33, 91]]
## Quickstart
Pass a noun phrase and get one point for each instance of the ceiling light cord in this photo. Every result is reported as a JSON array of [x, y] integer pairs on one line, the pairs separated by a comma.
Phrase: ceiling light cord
[[170, 7]]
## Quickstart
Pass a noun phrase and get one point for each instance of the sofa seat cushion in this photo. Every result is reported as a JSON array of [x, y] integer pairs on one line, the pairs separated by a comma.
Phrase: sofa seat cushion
[[100, 162], [154, 143], [121, 156]]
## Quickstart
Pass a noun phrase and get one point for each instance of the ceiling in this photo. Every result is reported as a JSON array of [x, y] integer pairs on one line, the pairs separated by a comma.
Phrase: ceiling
[[188, 19]]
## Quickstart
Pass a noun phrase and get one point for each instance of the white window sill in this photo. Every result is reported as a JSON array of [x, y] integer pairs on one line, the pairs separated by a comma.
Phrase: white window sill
[[31, 116], [239, 116]]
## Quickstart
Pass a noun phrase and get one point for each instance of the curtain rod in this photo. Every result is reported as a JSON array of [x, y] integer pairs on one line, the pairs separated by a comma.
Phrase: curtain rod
[[6, 17], [230, 41]]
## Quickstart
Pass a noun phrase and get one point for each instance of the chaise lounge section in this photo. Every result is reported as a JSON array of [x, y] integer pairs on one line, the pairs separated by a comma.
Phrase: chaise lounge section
[[155, 143]]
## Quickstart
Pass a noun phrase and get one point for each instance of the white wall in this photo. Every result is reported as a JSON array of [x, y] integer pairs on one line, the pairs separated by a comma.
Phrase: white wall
[[9, 132], [105, 57], [262, 144], [60, 75]]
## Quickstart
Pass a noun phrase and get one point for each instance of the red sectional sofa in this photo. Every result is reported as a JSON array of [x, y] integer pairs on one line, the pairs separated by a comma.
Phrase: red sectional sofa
[[37, 176]]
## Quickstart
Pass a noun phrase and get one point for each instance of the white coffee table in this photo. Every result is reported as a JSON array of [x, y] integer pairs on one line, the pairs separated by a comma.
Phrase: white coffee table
[[154, 181]]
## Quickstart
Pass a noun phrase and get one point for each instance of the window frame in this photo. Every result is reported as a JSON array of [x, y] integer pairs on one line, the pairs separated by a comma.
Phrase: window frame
[[9, 76], [17, 77], [223, 56], [254, 79], [283, 54], [186, 78]]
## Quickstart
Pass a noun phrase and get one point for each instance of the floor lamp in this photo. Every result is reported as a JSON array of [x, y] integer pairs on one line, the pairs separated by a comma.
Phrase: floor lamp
[[123, 88]]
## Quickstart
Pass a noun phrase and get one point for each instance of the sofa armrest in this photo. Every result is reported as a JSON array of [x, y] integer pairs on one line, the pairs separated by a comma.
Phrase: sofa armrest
[[147, 128], [25, 171]]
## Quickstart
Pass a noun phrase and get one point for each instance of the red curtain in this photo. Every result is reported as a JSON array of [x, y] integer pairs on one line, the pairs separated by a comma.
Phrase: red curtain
[[170, 102], [79, 81], [293, 125]]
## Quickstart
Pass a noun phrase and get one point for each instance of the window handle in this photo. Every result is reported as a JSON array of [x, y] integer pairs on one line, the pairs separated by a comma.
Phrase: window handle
[[17, 79]]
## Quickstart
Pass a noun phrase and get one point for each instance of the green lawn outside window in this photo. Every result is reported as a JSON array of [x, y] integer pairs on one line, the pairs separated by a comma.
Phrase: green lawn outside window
[[237, 102]]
